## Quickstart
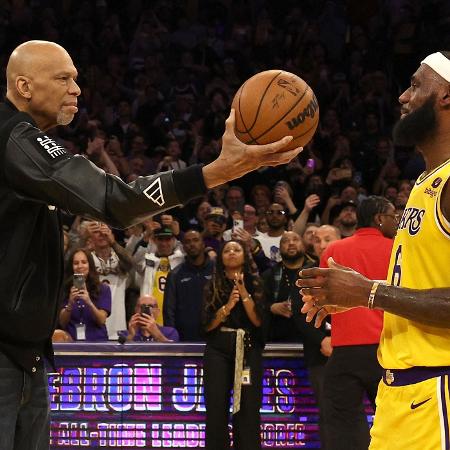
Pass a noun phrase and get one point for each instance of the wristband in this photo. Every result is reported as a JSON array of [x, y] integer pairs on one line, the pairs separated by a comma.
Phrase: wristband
[[246, 299], [373, 291]]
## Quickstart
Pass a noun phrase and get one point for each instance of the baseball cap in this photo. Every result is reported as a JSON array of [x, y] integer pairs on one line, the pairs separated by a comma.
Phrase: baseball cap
[[163, 232], [347, 203], [215, 212]]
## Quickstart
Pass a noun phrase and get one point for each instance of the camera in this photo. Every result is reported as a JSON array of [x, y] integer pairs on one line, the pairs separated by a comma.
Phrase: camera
[[146, 309], [78, 281]]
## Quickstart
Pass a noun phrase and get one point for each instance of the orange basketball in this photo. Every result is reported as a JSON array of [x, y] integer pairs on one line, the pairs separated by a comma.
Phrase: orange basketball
[[274, 104]]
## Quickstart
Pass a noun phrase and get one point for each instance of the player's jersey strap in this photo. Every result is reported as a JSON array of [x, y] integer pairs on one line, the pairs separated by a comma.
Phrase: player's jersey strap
[[441, 221]]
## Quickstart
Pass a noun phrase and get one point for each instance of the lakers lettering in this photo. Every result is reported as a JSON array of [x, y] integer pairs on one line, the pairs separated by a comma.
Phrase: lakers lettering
[[309, 111], [412, 220]]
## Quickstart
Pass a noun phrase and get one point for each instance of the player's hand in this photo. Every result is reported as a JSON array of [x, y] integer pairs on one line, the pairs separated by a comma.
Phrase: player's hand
[[320, 313], [336, 285], [236, 158]]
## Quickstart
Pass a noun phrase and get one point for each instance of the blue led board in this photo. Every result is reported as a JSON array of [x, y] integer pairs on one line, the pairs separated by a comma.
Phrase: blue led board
[[151, 396]]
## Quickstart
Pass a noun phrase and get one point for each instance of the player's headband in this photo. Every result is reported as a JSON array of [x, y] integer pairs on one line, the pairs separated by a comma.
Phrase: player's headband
[[439, 63]]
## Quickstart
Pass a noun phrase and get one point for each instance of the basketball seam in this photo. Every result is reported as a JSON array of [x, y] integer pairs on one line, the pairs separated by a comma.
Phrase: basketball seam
[[262, 97], [281, 118], [240, 113], [294, 139]]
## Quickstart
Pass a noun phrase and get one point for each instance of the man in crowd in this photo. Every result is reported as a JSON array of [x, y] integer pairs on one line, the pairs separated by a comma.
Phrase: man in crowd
[[183, 295], [287, 324], [143, 325], [215, 224], [323, 237], [38, 178], [277, 220], [158, 264], [114, 264], [353, 369]]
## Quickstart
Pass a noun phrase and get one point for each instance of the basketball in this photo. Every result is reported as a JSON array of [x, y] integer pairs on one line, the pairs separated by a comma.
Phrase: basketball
[[274, 104]]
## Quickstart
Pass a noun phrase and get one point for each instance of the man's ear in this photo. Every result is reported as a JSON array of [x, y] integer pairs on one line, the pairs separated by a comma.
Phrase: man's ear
[[445, 99], [23, 86]]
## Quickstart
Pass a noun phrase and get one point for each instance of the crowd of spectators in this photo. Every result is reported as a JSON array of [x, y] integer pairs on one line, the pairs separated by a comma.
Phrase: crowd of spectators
[[157, 80]]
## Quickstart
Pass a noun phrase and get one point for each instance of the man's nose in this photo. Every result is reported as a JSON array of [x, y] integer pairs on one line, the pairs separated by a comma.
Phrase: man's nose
[[74, 89]]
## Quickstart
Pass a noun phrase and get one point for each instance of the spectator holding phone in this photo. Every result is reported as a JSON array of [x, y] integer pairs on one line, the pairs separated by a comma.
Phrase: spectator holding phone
[[87, 302], [143, 327]]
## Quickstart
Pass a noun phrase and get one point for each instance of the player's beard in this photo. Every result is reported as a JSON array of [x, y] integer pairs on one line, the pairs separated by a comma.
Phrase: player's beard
[[417, 126], [64, 118]]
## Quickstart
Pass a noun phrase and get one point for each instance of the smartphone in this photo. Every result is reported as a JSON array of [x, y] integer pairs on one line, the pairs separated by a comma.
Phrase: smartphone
[[146, 309], [238, 223], [310, 163], [78, 281]]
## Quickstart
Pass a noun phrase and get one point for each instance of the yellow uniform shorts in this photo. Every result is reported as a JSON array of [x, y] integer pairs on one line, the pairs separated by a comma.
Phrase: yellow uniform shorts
[[411, 414]]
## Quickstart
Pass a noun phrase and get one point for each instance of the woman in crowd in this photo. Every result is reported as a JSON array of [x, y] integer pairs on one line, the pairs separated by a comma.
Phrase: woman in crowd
[[87, 302], [233, 314]]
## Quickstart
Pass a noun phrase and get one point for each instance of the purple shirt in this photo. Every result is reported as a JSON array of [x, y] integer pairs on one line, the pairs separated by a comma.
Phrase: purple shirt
[[83, 314]]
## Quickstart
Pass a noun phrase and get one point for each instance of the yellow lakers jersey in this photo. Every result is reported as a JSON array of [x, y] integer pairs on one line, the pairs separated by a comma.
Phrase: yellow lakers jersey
[[159, 285], [419, 260]]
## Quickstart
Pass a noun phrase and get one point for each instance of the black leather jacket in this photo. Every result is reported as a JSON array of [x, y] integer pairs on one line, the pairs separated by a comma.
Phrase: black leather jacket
[[37, 179]]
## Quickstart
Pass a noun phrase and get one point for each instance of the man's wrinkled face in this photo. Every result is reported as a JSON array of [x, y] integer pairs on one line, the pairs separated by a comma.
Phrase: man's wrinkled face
[[54, 90]]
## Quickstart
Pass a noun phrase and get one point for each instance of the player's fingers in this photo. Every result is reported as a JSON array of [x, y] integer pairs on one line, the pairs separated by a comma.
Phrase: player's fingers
[[316, 292], [311, 273], [320, 317], [332, 264], [229, 123], [310, 282], [282, 157], [273, 147], [311, 313]]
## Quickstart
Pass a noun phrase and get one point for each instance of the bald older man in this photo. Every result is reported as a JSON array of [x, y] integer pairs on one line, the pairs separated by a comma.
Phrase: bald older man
[[38, 178]]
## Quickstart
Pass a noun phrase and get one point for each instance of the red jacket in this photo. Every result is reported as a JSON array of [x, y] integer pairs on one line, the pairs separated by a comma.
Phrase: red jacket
[[368, 252]]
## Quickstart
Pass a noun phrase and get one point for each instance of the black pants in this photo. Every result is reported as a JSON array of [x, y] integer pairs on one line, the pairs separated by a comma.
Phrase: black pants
[[350, 372], [218, 373]]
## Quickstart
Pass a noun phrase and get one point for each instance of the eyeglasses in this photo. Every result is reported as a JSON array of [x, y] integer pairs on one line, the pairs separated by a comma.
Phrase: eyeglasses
[[271, 212]]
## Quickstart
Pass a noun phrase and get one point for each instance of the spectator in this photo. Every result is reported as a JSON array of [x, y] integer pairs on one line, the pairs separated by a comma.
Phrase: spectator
[[353, 368], [287, 324], [261, 198], [215, 224], [233, 314], [323, 237], [114, 265], [277, 220], [234, 200], [346, 219], [184, 289], [143, 325], [87, 305], [157, 265]]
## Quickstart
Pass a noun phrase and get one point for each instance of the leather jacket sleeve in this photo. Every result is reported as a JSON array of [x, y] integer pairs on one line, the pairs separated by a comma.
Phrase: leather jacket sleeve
[[38, 168]]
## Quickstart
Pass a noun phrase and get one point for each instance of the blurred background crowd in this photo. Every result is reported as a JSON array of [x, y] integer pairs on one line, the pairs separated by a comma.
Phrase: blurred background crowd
[[157, 80]]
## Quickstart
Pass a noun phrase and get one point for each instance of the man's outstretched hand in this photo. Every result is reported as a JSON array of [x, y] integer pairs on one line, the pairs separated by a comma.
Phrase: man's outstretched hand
[[331, 290], [236, 158]]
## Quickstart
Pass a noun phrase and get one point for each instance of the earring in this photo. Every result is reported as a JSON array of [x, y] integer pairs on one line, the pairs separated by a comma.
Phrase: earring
[[380, 224]]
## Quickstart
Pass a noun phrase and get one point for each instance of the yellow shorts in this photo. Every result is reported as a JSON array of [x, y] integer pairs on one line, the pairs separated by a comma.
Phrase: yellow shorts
[[412, 416]]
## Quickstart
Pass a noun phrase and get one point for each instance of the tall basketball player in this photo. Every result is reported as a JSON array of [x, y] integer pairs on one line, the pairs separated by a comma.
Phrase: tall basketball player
[[413, 404]]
